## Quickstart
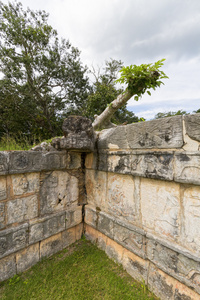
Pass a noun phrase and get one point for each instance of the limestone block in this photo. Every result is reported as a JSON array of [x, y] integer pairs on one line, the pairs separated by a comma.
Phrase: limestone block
[[91, 160], [2, 215], [191, 205], [187, 167], [68, 237], [113, 138], [74, 217], [3, 192], [13, 239], [22, 209], [120, 162], [43, 228], [91, 216], [120, 196], [25, 183], [78, 134], [58, 191], [79, 231], [114, 250], [162, 134], [27, 258], [51, 246], [105, 224], [131, 240], [7, 267], [4, 159], [160, 207], [192, 125], [160, 283], [96, 188], [135, 266], [73, 160], [54, 160]]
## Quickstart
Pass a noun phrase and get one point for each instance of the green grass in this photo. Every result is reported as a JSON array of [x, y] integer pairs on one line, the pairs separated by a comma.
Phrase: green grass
[[10, 143], [81, 271]]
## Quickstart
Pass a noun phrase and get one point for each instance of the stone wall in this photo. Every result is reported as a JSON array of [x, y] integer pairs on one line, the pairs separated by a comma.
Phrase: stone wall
[[137, 196], [40, 211], [143, 187]]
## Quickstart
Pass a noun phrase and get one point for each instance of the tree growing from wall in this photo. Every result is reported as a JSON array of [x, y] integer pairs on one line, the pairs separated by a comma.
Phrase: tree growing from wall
[[139, 80]]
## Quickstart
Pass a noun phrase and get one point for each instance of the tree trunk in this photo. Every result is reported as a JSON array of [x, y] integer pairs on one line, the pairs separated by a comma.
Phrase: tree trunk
[[103, 119]]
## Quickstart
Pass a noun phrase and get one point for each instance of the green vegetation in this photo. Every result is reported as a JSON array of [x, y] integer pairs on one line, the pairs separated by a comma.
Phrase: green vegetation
[[81, 271]]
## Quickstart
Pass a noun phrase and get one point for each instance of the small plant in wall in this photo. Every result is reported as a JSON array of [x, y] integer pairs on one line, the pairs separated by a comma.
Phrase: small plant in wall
[[139, 80]]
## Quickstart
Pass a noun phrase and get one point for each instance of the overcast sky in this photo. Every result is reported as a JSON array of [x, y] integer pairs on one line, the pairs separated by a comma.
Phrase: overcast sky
[[137, 31]]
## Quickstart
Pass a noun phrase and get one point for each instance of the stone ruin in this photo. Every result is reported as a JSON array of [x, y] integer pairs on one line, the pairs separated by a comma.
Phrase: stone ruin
[[134, 190]]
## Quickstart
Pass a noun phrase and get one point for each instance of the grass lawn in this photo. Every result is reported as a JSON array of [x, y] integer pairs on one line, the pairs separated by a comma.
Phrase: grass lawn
[[82, 271]]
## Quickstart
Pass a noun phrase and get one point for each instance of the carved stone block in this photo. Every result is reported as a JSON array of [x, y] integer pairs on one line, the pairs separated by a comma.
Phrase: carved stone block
[[192, 125], [78, 135], [130, 239], [7, 267], [43, 228], [120, 196], [160, 208], [58, 191], [4, 159], [27, 258], [22, 209], [187, 167], [25, 183], [51, 245], [13, 239], [2, 215], [113, 138], [3, 192], [163, 133], [73, 217]]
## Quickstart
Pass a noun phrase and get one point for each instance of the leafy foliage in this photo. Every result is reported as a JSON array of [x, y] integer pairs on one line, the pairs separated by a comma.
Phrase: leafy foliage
[[170, 114], [141, 79], [43, 78], [104, 91]]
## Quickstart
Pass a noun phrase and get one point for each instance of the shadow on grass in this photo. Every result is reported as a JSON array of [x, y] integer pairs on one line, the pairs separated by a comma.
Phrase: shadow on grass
[[81, 271]]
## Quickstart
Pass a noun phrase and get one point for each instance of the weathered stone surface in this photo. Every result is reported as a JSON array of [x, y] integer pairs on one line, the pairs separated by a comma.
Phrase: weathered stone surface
[[91, 216], [192, 125], [79, 135], [13, 239], [175, 264], [25, 183], [2, 215], [27, 258], [163, 133], [105, 224], [4, 159], [160, 283], [7, 267], [22, 209], [58, 191], [91, 160], [32, 161], [160, 207], [96, 183], [51, 245], [3, 191], [74, 217], [120, 197], [43, 228], [131, 240], [158, 165], [187, 167], [114, 250], [113, 138], [191, 222], [135, 266], [73, 160], [68, 237]]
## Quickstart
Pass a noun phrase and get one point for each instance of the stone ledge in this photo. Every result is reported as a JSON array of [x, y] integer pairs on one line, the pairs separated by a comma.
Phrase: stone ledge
[[16, 162], [181, 166]]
